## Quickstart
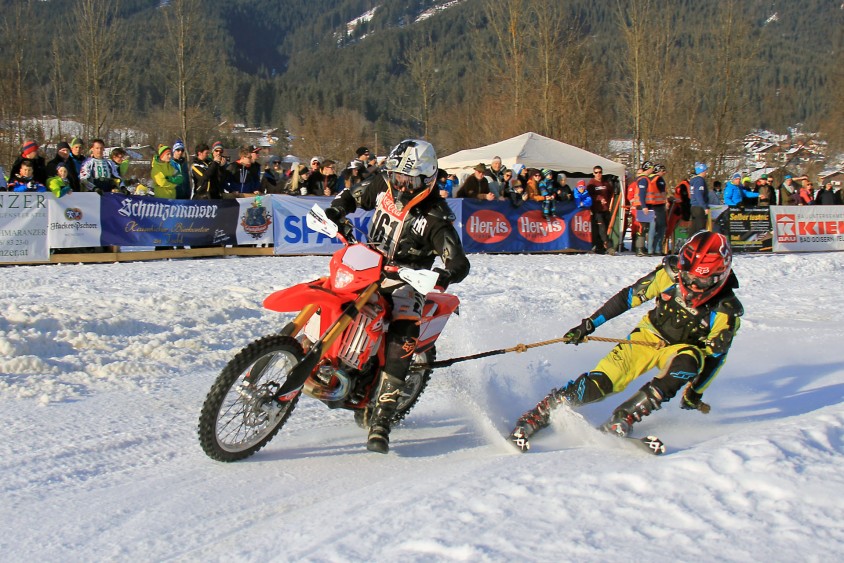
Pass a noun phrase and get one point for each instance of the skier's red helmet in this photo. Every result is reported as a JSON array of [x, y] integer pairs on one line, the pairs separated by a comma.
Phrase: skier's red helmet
[[705, 262]]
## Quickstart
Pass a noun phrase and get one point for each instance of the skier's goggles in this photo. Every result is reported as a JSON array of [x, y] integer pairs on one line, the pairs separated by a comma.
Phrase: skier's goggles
[[697, 283], [405, 182]]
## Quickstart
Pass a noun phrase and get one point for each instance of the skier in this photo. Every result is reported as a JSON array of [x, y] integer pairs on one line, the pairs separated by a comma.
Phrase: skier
[[412, 225], [695, 319]]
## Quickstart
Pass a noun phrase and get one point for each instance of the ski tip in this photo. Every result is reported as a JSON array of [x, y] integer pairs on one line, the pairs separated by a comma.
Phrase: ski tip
[[519, 439], [653, 444]]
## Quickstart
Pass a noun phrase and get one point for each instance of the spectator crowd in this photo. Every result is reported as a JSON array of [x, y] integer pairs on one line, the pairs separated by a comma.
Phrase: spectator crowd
[[652, 212]]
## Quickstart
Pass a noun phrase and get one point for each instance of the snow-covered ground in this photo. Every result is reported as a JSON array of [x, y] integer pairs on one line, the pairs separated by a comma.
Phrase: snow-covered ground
[[103, 369]]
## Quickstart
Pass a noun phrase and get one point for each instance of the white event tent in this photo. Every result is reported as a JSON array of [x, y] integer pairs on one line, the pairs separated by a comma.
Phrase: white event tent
[[534, 151]]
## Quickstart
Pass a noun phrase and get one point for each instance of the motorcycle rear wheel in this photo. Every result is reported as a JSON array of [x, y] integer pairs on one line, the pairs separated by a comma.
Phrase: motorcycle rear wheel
[[239, 416]]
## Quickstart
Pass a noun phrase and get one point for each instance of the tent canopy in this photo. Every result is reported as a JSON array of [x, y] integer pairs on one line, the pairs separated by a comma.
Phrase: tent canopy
[[534, 151]]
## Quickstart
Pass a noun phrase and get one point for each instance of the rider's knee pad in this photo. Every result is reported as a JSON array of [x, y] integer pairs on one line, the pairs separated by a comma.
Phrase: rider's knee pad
[[684, 368], [588, 388]]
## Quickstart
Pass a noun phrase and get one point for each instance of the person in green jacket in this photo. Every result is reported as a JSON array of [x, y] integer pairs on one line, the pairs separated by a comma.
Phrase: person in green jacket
[[165, 177], [59, 184]]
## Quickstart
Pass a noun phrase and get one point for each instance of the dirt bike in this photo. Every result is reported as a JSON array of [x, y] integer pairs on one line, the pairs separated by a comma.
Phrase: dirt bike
[[332, 350]]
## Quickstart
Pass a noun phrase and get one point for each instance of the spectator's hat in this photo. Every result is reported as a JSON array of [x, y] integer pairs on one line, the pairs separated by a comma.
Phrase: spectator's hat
[[178, 145], [253, 148], [60, 165], [29, 147], [163, 149], [735, 176], [581, 183], [746, 180], [274, 159], [76, 142], [62, 145], [217, 146], [763, 177], [700, 167], [788, 176], [480, 167], [315, 159], [547, 172], [361, 151]]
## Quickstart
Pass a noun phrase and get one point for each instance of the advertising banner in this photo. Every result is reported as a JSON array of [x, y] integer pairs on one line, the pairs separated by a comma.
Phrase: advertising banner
[[255, 220], [292, 234], [24, 218], [150, 221], [808, 228], [497, 226], [75, 220], [750, 229]]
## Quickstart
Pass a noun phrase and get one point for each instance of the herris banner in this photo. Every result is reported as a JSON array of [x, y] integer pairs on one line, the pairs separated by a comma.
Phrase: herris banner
[[500, 227]]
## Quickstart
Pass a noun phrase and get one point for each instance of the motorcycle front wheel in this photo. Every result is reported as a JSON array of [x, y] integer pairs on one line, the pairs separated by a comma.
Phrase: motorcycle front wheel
[[240, 416]]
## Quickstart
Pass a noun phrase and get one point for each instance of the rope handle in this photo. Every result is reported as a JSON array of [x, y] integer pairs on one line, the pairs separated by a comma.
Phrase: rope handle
[[525, 347]]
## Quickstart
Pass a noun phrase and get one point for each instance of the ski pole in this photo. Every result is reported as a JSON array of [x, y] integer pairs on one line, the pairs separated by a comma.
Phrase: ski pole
[[525, 347]]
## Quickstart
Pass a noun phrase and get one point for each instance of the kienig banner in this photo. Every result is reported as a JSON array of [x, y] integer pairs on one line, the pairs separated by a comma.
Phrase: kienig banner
[[75, 220], [151, 221], [23, 226], [808, 228]]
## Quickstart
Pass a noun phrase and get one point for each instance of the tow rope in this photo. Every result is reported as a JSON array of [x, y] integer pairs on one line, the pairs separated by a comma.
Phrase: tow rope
[[525, 347]]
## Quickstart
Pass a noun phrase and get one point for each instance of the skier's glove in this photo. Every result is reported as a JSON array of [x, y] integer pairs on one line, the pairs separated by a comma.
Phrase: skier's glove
[[691, 401], [577, 334]]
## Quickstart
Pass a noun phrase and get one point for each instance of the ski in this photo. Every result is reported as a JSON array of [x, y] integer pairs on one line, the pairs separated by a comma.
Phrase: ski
[[650, 444]]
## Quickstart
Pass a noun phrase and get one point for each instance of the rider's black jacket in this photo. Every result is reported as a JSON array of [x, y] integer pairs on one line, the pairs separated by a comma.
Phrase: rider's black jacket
[[410, 234]]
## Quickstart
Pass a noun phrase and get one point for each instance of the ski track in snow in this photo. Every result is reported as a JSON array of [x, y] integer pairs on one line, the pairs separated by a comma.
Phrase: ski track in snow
[[104, 368]]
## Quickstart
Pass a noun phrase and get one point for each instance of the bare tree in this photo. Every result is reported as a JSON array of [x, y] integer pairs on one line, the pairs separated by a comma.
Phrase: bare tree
[[334, 135], [96, 33], [506, 58], [185, 44], [423, 61]]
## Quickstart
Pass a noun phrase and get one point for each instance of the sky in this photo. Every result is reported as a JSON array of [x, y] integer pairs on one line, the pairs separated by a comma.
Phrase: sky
[[104, 368]]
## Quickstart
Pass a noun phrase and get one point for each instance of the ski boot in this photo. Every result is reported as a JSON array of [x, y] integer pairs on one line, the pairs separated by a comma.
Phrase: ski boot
[[537, 418], [389, 392], [641, 404]]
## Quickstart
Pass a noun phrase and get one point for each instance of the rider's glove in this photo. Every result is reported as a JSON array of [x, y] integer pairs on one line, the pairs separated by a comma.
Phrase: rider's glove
[[334, 215], [577, 334], [691, 401], [442, 281]]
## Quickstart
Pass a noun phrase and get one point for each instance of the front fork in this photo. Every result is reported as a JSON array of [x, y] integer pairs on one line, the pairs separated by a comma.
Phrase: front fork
[[306, 366]]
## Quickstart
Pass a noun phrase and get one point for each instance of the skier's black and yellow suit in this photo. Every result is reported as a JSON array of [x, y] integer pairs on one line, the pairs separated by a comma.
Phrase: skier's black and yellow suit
[[695, 340]]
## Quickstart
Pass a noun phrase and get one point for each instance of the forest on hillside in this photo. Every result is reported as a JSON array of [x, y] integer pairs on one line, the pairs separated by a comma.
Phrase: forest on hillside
[[689, 77]]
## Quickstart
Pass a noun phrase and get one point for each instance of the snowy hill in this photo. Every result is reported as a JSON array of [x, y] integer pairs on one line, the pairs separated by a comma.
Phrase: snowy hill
[[103, 369]]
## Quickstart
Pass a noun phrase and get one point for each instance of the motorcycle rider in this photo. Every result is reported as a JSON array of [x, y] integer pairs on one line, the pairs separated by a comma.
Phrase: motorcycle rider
[[412, 225], [695, 319]]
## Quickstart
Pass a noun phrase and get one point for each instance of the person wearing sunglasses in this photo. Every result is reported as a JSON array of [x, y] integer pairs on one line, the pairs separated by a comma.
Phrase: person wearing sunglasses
[[689, 332]]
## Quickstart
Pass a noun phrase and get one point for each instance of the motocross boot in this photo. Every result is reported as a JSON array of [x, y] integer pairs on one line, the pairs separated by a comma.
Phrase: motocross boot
[[389, 392], [641, 404]]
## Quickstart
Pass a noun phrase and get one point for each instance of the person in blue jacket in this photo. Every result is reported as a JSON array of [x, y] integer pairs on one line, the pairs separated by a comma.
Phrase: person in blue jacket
[[582, 199], [735, 194]]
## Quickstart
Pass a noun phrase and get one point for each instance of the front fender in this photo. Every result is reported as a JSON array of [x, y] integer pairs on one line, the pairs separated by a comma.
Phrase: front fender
[[295, 298]]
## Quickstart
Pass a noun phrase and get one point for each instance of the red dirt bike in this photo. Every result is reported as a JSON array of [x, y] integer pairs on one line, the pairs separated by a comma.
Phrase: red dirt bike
[[333, 351]]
